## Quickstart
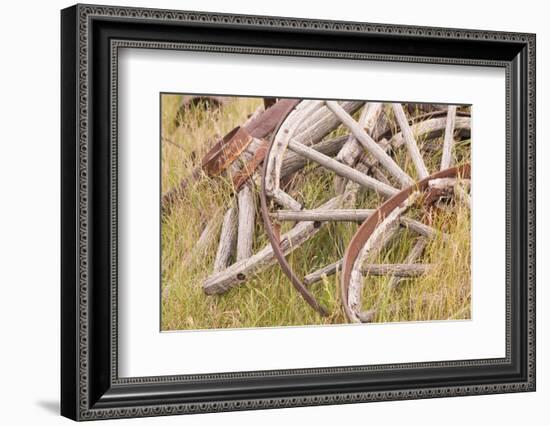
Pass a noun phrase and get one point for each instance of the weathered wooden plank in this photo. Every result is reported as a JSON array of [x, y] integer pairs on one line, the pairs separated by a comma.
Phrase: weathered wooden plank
[[403, 270], [432, 126], [334, 215], [376, 150], [294, 162], [245, 230], [314, 127], [350, 215], [410, 141], [342, 169], [227, 240], [448, 142], [442, 183]]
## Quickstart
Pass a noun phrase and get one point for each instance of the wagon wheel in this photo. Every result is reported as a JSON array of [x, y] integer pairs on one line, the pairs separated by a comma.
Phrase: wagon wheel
[[361, 159], [355, 268]]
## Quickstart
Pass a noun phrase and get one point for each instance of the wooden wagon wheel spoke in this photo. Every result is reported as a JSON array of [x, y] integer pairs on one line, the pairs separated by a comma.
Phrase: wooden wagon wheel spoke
[[347, 215], [370, 145], [410, 141], [352, 149], [341, 169], [449, 139]]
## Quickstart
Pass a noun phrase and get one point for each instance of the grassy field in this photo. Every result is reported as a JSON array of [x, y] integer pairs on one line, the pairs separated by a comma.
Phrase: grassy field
[[268, 298]]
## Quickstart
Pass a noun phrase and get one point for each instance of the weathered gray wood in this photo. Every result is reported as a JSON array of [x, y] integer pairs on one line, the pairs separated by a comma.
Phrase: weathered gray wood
[[345, 155], [227, 240], [351, 215], [432, 126], [410, 141], [448, 142], [294, 162], [442, 183], [411, 258], [370, 145], [336, 215], [379, 236], [239, 271], [353, 149], [367, 120], [285, 200], [342, 169], [308, 123], [421, 228], [351, 189], [245, 230], [382, 125], [314, 127], [372, 165], [403, 270], [286, 131]]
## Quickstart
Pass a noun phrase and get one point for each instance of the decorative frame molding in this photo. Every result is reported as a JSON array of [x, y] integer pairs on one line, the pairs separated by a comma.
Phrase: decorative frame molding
[[91, 37]]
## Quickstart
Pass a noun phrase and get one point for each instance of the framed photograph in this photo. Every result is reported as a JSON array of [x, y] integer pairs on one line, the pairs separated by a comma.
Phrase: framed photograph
[[263, 212]]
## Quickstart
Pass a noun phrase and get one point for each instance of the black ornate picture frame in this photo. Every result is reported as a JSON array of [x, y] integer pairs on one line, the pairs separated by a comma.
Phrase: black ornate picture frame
[[90, 38]]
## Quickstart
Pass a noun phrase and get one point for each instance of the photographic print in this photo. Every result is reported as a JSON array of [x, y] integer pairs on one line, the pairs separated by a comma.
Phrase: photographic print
[[293, 212]]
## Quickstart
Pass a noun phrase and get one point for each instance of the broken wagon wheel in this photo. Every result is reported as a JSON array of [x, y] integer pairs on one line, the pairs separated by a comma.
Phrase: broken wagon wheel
[[384, 218], [379, 173], [225, 276]]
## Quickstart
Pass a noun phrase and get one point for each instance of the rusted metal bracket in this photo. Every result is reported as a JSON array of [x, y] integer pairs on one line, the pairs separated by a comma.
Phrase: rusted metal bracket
[[227, 150]]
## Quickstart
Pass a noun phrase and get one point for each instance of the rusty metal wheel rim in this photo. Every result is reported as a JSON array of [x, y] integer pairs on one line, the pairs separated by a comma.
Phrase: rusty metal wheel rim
[[369, 226], [274, 237]]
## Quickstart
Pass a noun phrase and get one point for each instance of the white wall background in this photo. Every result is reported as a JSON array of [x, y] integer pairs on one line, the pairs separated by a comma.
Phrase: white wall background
[[29, 211]]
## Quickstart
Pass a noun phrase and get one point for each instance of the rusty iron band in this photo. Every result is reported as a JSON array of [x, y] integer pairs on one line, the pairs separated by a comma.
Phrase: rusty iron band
[[274, 237]]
